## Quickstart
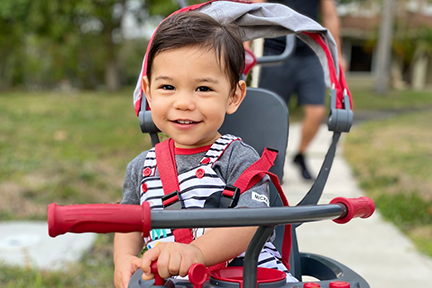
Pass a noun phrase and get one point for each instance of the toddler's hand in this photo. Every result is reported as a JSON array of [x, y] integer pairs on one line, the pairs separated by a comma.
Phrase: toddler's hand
[[124, 269], [172, 259]]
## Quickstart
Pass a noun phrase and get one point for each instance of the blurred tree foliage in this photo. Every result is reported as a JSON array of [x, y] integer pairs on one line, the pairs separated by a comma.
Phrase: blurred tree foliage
[[73, 43]]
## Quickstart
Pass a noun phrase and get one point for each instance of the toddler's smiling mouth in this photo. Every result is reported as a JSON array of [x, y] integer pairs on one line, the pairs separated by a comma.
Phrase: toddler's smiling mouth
[[185, 121]]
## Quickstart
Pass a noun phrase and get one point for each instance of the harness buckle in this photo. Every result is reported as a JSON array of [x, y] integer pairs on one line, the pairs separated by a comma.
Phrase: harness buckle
[[173, 201], [230, 196]]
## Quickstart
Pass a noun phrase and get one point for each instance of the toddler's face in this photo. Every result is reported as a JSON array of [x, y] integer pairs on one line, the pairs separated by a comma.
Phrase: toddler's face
[[189, 95]]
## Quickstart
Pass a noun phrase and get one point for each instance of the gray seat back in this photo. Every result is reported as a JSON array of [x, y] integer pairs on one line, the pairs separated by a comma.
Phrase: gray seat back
[[262, 121]]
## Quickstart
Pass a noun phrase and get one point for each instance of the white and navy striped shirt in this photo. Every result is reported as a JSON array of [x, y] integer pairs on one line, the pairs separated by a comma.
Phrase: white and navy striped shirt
[[201, 179]]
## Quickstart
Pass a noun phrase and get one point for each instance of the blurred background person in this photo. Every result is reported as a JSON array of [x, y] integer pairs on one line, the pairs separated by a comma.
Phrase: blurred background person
[[302, 73]]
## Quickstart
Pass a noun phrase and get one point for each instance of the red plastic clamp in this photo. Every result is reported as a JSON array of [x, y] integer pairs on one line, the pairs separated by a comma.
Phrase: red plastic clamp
[[311, 285], [339, 284], [197, 274], [250, 61]]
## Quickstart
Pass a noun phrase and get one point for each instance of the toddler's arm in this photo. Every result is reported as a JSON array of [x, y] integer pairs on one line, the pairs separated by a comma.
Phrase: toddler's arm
[[127, 248], [215, 246]]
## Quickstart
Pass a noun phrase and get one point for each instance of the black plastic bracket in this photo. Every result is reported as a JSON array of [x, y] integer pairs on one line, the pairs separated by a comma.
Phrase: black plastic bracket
[[227, 201], [177, 205], [146, 122], [340, 120]]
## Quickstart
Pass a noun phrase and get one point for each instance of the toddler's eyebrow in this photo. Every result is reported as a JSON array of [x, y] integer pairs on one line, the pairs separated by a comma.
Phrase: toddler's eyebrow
[[161, 77], [207, 80]]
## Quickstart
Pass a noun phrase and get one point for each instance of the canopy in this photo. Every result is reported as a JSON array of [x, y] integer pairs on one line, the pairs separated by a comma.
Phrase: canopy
[[268, 20]]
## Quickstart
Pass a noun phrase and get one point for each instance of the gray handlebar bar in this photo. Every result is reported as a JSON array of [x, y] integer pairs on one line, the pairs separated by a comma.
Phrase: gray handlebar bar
[[277, 59]]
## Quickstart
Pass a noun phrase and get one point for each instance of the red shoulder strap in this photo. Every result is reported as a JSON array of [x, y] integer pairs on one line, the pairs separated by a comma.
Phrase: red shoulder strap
[[254, 173], [287, 238], [165, 159], [250, 177]]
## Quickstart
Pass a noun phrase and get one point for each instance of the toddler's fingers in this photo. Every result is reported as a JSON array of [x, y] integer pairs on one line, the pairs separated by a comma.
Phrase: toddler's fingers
[[147, 277], [149, 257], [184, 266], [163, 264], [174, 264], [137, 262], [125, 280]]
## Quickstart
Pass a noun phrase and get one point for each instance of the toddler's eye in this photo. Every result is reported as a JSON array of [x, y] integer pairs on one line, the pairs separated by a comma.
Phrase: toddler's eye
[[203, 89], [167, 87]]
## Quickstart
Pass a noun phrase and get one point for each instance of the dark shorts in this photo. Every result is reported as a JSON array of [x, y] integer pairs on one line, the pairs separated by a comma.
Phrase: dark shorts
[[301, 74]]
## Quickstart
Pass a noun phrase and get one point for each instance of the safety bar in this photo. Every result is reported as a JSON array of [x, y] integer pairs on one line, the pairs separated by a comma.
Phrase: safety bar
[[109, 218], [106, 218]]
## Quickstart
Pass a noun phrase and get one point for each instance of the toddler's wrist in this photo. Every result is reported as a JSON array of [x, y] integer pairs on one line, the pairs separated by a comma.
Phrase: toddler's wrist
[[199, 254]]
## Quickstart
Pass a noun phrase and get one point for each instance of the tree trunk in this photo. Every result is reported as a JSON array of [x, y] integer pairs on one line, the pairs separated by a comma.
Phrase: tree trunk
[[382, 77], [112, 79], [419, 72]]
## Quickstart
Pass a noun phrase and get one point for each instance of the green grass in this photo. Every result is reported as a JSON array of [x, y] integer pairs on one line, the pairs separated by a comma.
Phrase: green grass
[[365, 99], [67, 149], [392, 160], [64, 148]]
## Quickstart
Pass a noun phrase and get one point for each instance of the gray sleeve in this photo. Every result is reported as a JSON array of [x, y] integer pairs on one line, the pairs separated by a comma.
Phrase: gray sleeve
[[235, 160], [132, 182]]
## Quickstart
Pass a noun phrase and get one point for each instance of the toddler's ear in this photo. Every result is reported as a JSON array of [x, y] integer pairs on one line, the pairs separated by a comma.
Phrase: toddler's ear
[[146, 88], [237, 98]]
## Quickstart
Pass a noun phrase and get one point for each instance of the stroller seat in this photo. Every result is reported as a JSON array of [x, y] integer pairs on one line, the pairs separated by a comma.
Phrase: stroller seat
[[262, 121]]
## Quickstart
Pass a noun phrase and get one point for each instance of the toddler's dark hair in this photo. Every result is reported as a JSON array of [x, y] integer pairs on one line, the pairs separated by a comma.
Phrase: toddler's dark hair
[[200, 30]]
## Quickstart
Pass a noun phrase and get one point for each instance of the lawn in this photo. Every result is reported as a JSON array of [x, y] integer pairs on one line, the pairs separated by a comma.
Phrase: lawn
[[68, 149], [64, 148], [73, 148], [392, 160], [391, 156]]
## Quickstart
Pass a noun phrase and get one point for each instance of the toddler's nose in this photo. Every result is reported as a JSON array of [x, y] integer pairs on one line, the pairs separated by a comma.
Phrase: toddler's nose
[[184, 101]]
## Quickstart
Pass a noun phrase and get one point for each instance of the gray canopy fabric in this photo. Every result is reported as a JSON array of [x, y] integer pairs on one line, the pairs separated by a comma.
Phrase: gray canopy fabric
[[263, 20]]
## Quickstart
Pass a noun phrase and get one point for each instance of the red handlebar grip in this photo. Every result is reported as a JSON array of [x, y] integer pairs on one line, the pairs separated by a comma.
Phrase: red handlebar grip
[[198, 274], [158, 279], [98, 218], [362, 207]]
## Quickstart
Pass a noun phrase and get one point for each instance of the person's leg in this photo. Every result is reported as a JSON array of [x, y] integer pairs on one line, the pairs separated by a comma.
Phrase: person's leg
[[312, 119], [278, 78], [311, 94]]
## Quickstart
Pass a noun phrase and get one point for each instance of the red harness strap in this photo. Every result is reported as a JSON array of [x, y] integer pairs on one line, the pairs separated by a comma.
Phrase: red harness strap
[[165, 156], [254, 173], [250, 177]]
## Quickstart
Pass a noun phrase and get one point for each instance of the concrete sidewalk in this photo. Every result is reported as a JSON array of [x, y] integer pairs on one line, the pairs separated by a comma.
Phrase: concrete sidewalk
[[372, 247], [27, 244]]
